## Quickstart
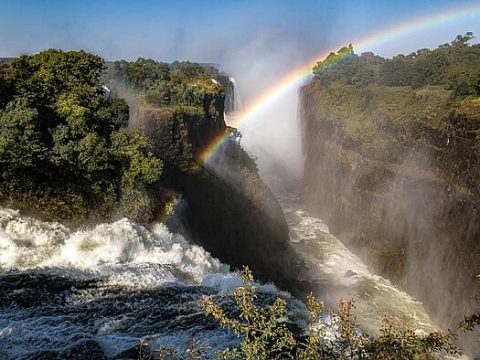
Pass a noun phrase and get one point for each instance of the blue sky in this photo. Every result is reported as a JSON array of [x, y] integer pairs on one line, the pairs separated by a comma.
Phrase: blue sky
[[257, 41], [203, 30]]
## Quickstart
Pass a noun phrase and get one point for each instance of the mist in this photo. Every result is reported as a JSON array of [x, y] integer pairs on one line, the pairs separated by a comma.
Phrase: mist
[[272, 135]]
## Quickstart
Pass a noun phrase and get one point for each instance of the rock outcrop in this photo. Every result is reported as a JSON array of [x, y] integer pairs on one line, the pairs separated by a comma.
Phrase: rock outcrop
[[230, 211]]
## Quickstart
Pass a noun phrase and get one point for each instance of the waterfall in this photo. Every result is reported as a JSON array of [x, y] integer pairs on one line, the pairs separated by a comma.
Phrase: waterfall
[[233, 100], [237, 100]]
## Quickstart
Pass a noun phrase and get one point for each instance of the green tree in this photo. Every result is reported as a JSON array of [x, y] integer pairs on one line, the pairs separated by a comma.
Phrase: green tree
[[60, 135], [21, 146]]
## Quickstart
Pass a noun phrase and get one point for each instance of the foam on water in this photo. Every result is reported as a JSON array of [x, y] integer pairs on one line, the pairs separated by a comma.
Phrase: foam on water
[[117, 282], [342, 275], [112, 283], [104, 250]]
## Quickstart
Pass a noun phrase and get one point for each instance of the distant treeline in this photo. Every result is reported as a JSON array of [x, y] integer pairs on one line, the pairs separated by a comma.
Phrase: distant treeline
[[455, 66], [161, 84]]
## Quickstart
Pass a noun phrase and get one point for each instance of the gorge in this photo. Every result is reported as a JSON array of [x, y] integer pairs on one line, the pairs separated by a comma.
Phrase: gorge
[[391, 169]]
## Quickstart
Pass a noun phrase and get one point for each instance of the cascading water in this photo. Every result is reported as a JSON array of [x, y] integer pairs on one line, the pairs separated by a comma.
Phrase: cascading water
[[237, 100], [330, 270], [233, 102], [107, 286], [335, 273], [115, 283]]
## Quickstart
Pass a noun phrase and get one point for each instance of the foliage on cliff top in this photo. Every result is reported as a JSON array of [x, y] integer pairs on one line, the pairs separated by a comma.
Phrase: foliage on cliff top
[[63, 149], [179, 84], [454, 66], [376, 115], [385, 104], [184, 91]]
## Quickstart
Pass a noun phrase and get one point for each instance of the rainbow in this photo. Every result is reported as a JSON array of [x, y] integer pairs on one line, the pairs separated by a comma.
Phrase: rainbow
[[299, 74]]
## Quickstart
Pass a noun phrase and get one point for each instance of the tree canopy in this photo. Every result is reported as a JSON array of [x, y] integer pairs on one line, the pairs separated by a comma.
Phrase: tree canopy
[[62, 140], [161, 84], [455, 66]]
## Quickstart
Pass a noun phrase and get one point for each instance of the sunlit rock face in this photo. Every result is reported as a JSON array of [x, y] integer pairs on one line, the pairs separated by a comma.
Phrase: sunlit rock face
[[405, 198]]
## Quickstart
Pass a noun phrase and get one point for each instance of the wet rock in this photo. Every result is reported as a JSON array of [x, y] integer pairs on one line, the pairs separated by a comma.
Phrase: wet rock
[[231, 212], [349, 273], [87, 350], [134, 353], [405, 200]]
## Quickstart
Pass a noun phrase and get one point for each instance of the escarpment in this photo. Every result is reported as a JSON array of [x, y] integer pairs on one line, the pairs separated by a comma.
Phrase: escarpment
[[397, 178], [230, 211]]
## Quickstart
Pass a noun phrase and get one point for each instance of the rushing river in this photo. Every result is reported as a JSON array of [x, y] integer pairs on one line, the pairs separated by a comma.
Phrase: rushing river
[[336, 273], [107, 286]]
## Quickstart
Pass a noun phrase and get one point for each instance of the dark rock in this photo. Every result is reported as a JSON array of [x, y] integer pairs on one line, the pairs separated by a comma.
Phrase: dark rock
[[350, 273], [407, 208], [87, 350], [230, 212], [133, 353]]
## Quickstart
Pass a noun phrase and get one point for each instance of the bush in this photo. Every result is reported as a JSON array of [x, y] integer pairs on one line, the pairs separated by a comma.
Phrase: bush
[[264, 334], [160, 84], [455, 66]]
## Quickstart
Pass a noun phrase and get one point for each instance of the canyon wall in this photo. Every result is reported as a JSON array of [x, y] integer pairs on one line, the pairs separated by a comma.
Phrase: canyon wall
[[395, 173], [230, 211]]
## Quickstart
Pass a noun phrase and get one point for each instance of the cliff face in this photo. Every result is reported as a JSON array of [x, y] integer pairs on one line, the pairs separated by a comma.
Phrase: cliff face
[[229, 87], [230, 211], [395, 174]]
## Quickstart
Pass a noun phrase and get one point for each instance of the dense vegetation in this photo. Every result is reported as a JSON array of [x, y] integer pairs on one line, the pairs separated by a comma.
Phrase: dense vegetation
[[382, 101], [454, 66], [179, 84], [188, 94], [63, 145]]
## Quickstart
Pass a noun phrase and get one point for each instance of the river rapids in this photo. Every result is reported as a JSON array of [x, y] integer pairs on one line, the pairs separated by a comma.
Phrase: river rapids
[[112, 284]]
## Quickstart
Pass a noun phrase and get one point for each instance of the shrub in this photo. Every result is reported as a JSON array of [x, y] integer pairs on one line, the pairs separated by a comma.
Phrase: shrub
[[263, 334]]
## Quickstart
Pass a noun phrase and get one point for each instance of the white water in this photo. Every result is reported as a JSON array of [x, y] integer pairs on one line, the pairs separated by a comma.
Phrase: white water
[[122, 255], [237, 100], [272, 132], [332, 270], [26, 243], [340, 274], [113, 283], [143, 264]]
